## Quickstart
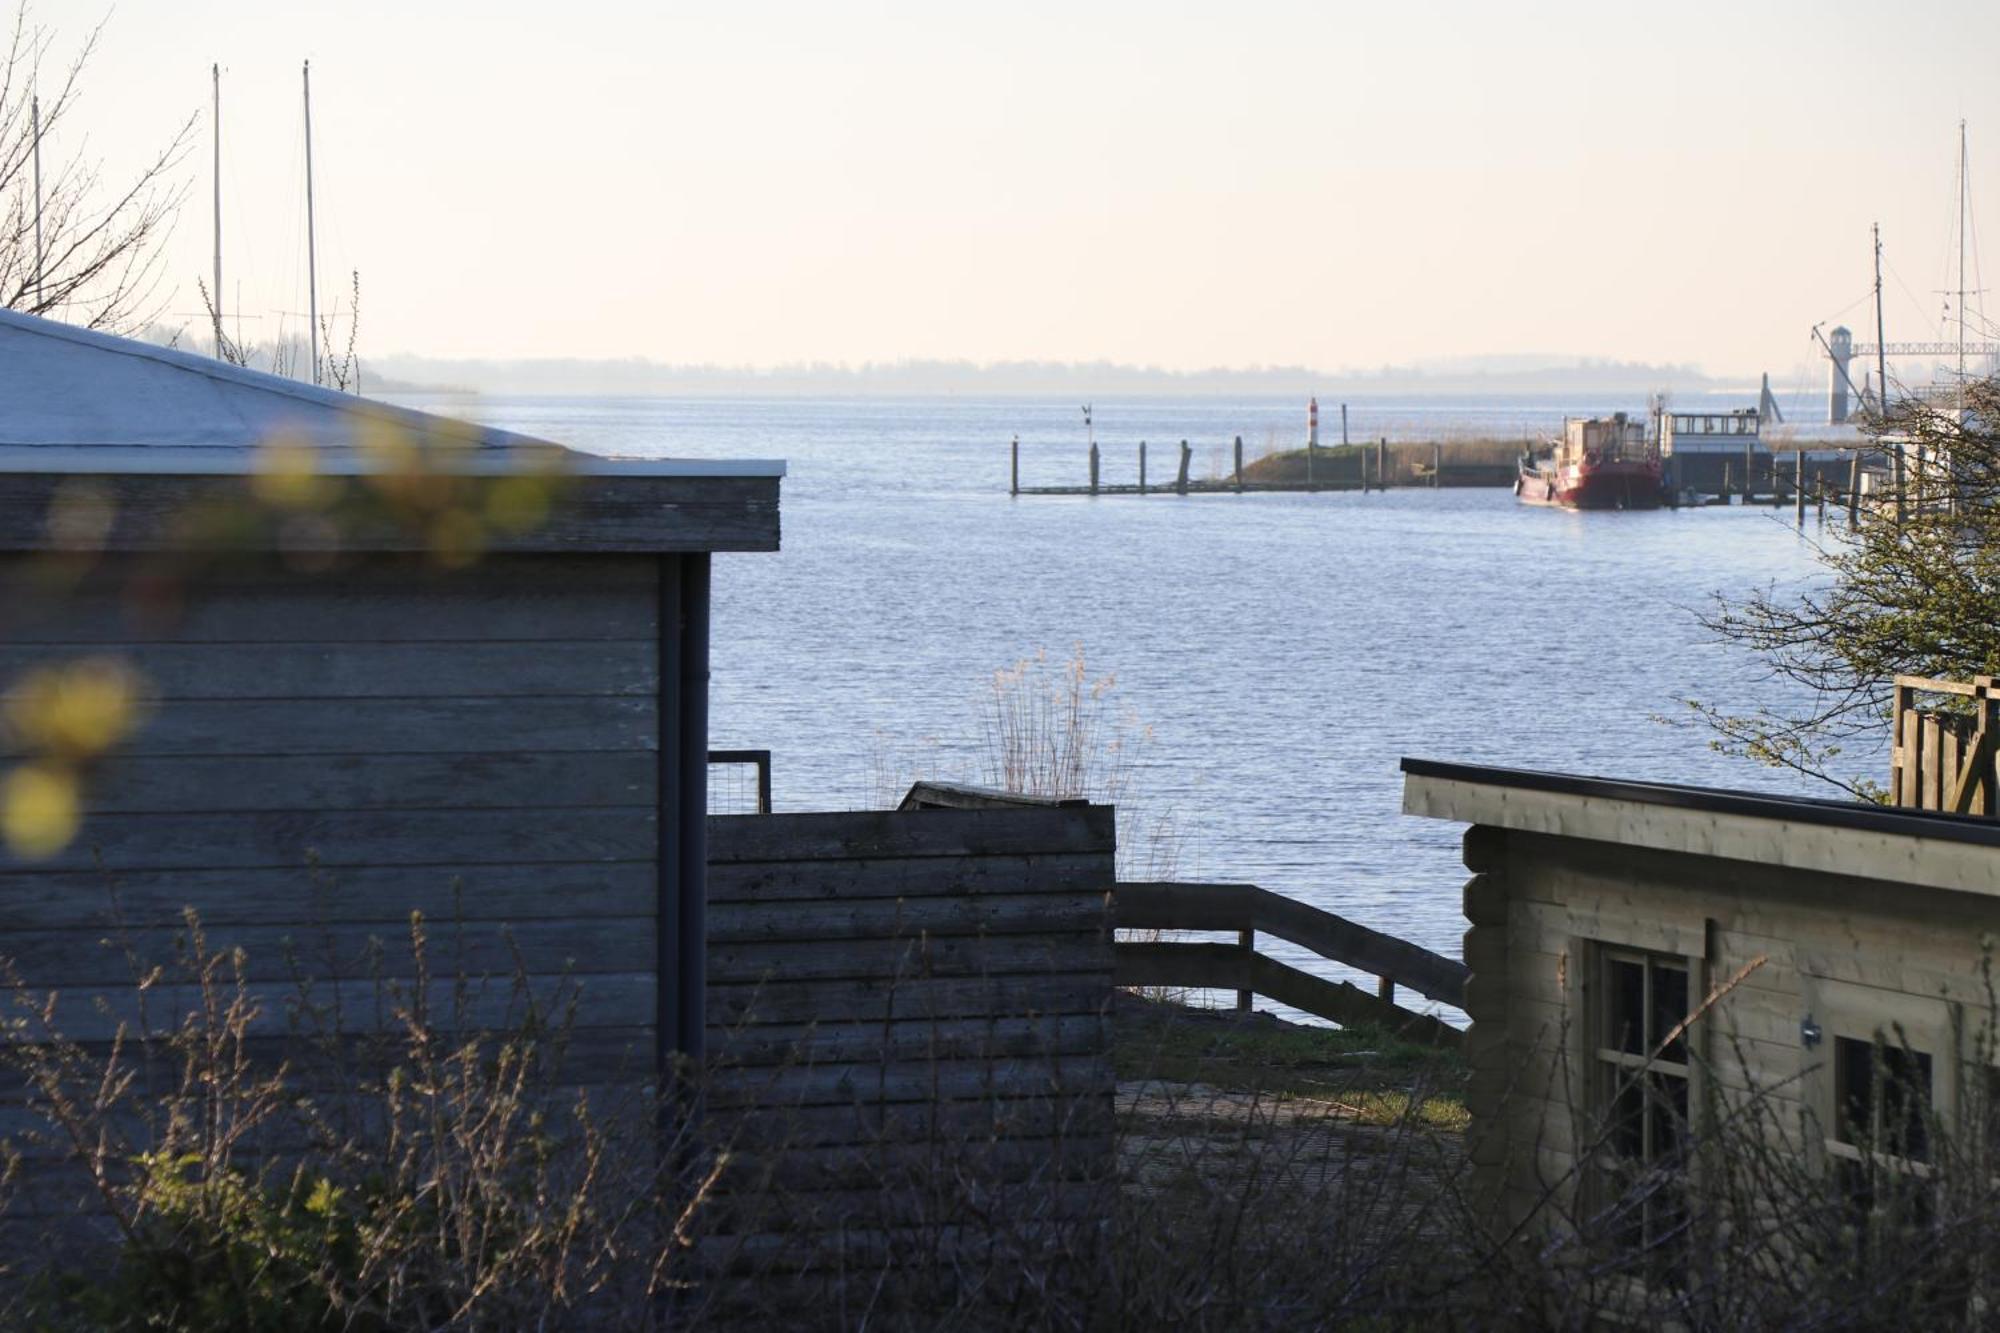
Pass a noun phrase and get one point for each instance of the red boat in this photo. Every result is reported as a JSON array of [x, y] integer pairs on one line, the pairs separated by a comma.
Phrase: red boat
[[1599, 463]]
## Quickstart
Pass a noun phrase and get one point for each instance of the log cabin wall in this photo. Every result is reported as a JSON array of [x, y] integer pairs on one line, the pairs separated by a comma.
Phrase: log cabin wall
[[909, 1012], [1797, 924], [319, 759]]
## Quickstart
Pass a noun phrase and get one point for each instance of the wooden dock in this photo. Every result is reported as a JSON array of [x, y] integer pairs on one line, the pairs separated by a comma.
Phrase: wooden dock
[[1368, 469]]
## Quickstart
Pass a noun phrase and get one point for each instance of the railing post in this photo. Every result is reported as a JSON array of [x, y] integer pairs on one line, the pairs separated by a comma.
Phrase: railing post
[[1385, 989], [1246, 940]]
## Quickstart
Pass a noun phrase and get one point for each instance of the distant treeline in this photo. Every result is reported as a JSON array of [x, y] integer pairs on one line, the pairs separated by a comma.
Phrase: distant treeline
[[1026, 378]]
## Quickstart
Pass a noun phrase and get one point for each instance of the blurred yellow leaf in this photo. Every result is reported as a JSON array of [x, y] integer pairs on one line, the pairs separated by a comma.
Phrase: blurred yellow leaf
[[457, 538], [286, 475], [40, 810], [77, 711], [517, 504]]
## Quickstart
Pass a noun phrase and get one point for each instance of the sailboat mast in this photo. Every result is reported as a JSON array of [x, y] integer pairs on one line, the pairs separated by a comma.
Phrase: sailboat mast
[[1963, 161], [215, 118], [1882, 373], [36, 113], [312, 254]]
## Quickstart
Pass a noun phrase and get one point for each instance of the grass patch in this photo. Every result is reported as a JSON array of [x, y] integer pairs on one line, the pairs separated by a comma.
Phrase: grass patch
[[1367, 1069]]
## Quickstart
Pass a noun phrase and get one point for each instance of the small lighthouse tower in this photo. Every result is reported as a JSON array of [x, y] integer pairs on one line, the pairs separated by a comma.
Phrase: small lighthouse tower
[[1839, 350], [1312, 423]]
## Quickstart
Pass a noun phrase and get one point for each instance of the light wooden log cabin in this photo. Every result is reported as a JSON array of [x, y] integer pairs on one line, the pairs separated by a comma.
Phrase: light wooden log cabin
[[1719, 947]]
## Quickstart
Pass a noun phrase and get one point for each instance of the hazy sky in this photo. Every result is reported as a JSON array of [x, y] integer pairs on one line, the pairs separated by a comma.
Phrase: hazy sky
[[1188, 185]]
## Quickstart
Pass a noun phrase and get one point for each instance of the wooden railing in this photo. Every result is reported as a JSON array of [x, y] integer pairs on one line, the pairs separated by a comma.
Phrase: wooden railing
[[1248, 910], [1946, 760]]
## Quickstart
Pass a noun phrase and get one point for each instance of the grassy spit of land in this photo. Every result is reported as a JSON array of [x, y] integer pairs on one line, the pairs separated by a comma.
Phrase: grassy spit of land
[[1484, 461]]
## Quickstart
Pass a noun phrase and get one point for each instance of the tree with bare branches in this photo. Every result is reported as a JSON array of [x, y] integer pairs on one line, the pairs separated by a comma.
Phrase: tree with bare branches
[[92, 252]]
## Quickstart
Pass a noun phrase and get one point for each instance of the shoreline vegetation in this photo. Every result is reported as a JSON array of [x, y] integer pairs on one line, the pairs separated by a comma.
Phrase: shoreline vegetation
[[1476, 461]]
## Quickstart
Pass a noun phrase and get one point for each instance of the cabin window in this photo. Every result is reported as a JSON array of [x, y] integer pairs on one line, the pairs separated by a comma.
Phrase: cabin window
[[1642, 1074]]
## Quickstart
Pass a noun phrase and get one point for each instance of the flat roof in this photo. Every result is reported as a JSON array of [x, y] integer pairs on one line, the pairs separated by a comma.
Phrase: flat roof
[[1857, 838]]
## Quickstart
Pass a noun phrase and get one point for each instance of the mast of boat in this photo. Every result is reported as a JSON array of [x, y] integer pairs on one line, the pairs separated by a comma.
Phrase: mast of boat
[[35, 104], [312, 274], [1963, 161], [1882, 375], [215, 124]]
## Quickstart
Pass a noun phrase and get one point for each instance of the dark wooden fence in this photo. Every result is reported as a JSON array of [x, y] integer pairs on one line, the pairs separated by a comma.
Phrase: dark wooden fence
[[909, 1019], [1944, 758], [1248, 910]]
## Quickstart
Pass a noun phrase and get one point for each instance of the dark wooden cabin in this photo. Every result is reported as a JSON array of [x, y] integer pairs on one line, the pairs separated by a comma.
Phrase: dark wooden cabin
[[346, 716]]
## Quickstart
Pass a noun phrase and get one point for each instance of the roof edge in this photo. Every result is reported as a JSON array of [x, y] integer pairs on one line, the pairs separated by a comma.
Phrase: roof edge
[[1952, 852]]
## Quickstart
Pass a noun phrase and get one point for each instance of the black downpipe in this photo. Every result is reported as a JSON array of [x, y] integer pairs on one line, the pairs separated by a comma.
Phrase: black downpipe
[[692, 973], [669, 951]]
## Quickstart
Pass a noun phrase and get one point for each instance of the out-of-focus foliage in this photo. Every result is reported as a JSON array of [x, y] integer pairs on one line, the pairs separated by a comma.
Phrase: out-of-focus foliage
[[1911, 589], [439, 497]]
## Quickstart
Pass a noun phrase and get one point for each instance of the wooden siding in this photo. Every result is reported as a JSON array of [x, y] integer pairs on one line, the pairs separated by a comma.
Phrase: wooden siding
[[1849, 951], [912, 1009], [319, 759]]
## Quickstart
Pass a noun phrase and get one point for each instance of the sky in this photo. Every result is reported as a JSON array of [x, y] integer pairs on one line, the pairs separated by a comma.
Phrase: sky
[[1185, 185]]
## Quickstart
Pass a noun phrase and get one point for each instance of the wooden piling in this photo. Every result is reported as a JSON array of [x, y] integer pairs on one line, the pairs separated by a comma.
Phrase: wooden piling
[[1853, 487], [1437, 463], [1798, 486], [1093, 468], [1142, 467], [1382, 464], [1246, 940], [1014, 483], [1725, 481], [1187, 454], [1343, 425], [1239, 464]]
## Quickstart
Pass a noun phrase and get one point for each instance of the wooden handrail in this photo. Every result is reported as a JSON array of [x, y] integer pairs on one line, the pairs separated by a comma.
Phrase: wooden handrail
[[1240, 907], [1231, 967], [965, 796]]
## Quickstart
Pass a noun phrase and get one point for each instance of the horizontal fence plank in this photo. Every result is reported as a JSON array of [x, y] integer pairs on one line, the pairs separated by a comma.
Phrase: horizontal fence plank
[[904, 876], [935, 1169], [339, 838], [877, 999], [279, 1008], [331, 670], [1179, 906], [520, 780], [896, 918], [609, 1067], [394, 726], [1228, 967], [300, 895], [782, 1087], [327, 952], [885, 959], [915, 1041], [546, 598], [967, 1124], [868, 835]]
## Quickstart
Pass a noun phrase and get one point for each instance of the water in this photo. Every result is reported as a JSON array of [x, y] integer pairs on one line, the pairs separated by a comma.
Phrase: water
[[1284, 650]]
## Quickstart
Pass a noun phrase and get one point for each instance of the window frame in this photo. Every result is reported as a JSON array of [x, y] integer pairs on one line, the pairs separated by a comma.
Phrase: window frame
[[1611, 1068]]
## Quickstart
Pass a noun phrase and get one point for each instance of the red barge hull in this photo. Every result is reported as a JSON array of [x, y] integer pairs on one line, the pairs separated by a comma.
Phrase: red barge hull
[[1606, 485]]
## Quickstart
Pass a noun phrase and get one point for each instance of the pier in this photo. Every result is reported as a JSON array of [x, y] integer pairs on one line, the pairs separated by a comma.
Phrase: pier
[[1374, 466]]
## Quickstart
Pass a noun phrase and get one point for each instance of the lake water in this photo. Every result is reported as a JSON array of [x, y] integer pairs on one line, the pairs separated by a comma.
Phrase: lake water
[[1283, 651]]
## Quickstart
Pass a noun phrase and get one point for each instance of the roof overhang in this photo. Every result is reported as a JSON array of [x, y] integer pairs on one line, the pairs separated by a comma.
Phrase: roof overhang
[[1953, 852]]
